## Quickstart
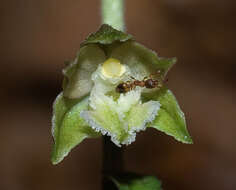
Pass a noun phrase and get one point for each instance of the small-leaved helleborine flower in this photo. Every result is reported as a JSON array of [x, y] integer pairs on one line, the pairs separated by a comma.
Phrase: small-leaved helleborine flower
[[105, 92]]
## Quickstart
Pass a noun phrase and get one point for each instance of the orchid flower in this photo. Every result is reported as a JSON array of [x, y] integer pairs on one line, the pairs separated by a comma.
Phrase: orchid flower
[[90, 105]]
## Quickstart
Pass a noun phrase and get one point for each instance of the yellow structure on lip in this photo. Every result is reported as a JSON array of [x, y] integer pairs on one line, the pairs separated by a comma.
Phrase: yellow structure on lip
[[112, 68]]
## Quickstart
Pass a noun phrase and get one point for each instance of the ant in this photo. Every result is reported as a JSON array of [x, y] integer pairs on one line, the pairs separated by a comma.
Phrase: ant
[[146, 82]]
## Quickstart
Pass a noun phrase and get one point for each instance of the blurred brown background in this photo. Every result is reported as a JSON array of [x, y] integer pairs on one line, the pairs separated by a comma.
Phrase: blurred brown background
[[37, 36]]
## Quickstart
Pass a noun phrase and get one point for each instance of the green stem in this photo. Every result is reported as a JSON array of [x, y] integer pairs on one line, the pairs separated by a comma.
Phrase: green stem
[[113, 13], [112, 163]]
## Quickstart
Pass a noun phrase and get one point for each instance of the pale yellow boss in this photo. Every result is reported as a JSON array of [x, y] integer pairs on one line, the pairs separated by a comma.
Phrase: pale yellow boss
[[112, 68]]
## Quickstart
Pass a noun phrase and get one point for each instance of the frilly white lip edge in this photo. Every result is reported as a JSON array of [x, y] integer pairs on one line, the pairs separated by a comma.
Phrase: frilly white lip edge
[[132, 133], [120, 110]]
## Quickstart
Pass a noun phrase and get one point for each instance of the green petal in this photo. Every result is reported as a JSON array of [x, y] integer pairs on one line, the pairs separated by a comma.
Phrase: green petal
[[107, 35], [77, 82], [142, 60], [69, 129], [137, 183], [170, 119]]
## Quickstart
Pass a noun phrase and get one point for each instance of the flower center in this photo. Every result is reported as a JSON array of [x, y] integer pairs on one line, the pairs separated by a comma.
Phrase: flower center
[[112, 68]]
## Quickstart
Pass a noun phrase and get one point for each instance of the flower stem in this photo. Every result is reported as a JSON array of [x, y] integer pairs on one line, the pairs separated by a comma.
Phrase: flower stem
[[112, 162], [113, 13]]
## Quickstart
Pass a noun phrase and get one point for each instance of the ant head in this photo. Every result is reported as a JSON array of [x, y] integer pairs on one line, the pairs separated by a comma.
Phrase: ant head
[[121, 88]]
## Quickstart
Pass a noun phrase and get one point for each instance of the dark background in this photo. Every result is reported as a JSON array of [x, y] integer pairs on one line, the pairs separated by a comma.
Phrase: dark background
[[37, 36]]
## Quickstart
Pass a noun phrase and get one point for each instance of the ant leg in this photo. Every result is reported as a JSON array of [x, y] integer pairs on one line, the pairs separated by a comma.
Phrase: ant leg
[[132, 86]]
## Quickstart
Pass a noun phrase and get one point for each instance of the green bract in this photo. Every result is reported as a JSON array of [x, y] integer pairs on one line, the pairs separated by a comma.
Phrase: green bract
[[90, 104]]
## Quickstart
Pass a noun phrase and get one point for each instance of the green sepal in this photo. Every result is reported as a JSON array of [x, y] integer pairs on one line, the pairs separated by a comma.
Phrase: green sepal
[[107, 35], [170, 118], [141, 59], [136, 182], [68, 128]]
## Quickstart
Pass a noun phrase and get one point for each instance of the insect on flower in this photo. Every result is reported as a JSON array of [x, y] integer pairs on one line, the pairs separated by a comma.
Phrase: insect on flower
[[88, 108], [147, 82]]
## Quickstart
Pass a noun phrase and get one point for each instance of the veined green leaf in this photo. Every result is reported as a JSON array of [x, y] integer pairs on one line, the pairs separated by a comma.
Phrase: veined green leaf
[[68, 128], [137, 183], [170, 118]]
